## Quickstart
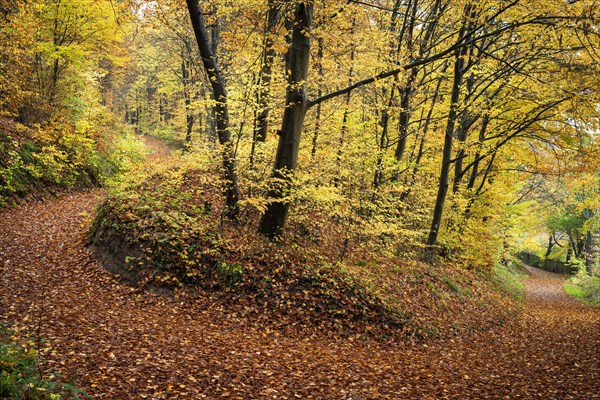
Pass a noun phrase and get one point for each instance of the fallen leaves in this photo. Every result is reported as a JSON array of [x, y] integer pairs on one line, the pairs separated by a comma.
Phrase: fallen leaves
[[117, 342]]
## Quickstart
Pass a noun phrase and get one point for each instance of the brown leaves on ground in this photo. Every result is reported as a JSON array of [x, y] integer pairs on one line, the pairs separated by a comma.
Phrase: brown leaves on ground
[[118, 342]]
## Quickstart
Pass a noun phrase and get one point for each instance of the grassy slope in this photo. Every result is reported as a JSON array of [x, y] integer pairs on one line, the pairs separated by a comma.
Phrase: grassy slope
[[585, 289]]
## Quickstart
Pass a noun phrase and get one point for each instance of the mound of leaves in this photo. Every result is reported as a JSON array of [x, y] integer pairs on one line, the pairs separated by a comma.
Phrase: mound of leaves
[[169, 232]]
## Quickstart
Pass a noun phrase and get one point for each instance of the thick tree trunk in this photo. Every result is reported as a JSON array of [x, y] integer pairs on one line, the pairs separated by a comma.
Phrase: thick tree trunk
[[274, 219], [232, 190], [215, 34]]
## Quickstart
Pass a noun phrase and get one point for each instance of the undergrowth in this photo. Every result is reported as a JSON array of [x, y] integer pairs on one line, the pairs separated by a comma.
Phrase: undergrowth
[[20, 376], [584, 288], [61, 154], [164, 226], [510, 277]]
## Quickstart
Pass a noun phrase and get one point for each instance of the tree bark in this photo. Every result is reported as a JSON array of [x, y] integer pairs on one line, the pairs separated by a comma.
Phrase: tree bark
[[344, 130], [404, 117], [232, 190], [313, 151], [447, 151], [475, 167], [261, 122], [589, 253], [189, 116], [274, 219], [550, 246]]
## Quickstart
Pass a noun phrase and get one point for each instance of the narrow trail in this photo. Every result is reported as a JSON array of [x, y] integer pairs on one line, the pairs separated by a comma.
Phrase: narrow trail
[[119, 343], [159, 149]]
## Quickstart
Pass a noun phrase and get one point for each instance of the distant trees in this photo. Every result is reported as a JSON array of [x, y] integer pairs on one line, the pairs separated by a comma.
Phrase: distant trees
[[49, 49]]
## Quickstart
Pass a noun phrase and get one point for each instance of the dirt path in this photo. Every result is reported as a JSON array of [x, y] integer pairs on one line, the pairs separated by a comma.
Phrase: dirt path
[[118, 343], [159, 149]]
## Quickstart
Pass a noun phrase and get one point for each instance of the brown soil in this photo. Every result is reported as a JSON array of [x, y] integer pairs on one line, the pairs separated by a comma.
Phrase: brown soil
[[119, 343]]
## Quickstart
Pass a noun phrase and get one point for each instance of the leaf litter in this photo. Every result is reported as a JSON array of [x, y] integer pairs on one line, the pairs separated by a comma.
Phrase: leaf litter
[[117, 341]]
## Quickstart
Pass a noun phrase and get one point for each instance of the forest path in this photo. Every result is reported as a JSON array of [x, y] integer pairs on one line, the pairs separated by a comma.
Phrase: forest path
[[118, 342], [159, 149]]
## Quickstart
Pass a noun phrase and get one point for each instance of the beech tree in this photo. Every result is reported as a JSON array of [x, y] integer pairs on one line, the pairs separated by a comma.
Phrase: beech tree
[[232, 189]]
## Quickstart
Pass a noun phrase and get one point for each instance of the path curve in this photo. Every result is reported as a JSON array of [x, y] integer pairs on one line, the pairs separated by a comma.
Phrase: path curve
[[119, 343]]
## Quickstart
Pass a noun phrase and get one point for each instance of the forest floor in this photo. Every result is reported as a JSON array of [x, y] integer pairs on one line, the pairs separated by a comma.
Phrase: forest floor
[[118, 342]]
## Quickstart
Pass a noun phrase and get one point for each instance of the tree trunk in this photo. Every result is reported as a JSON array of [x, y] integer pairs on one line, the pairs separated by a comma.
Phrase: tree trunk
[[475, 167], [405, 93], [417, 162], [404, 117], [215, 34], [447, 151], [344, 130], [189, 116], [232, 190], [313, 151], [466, 122], [550, 246], [274, 219], [383, 144], [589, 255], [264, 78]]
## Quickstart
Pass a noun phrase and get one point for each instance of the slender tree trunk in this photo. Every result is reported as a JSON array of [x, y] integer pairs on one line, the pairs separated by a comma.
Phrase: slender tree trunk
[[475, 167], [319, 62], [569, 252], [404, 117], [232, 190], [406, 92], [550, 246], [54, 83], [274, 219], [383, 143], [447, 151], [466, 121], [344, 130], [589, 254], [189, 116], [138, 111], [261, 122], [161, 108], [126, 114], [426, 125]]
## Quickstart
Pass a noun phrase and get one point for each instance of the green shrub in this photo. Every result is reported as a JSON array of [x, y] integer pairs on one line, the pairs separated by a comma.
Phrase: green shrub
[[64, 155], [20, 376], [584, 288], [230, 273]]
